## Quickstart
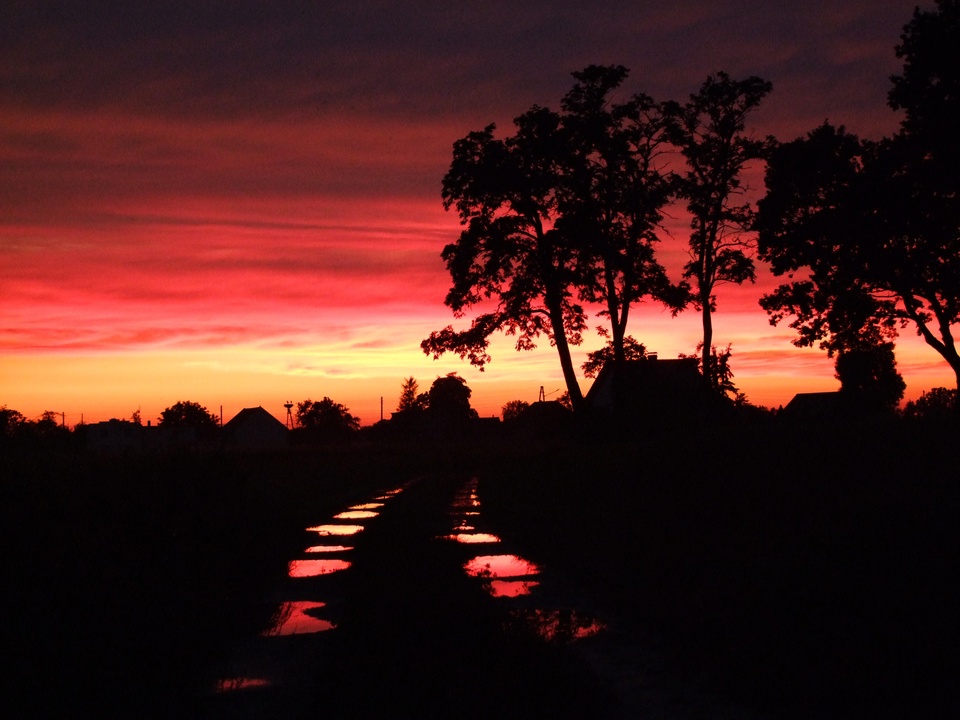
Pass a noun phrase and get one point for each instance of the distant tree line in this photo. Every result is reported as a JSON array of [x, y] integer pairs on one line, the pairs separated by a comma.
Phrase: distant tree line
[[568, 210]]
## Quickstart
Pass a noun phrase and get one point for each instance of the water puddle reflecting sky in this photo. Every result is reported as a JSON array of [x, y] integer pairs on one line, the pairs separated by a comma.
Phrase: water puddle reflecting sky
[[470, 538], [292, 618], [332, 529], [510, 588], [228, 685], [312, 568], [500, 566], [367, 506], [356, 515], [328, 548]]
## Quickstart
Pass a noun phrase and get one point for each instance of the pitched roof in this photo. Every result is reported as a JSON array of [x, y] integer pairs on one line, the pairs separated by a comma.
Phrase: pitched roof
[[251, 416]]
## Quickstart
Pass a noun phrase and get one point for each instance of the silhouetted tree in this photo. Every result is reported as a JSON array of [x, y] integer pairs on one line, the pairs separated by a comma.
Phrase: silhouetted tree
[[838, 213], [11, 422], [709, 131], [325, 417], [410, 397], [936, 405], [876, 225], [449, 398], [513, 409], [612, 199], [49, 425], [632, 350], [188, 414], [510, 254], [719, 373], [565, 211], [928, 91], [868, 377]]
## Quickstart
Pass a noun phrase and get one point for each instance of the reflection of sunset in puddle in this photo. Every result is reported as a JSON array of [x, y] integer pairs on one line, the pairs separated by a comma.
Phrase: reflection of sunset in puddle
[[336, 529], [292, 619], [500, 566], [367, 506], [389, 494], [560, 626], [355, 515], [510, 588], [463, 528], [472, 537], [328, 548], [233, 684], [312, 568]]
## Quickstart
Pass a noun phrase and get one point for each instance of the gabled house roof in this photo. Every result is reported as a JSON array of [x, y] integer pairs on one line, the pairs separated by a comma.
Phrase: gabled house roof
[[255, 428]]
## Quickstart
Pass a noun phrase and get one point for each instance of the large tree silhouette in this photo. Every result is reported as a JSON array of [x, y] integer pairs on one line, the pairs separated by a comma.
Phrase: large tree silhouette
[[614, 193], [510, 258], [710, 132], [562, 212], [873, 228]]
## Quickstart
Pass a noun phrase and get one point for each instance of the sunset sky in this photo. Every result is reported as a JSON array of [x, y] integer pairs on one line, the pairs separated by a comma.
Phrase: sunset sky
[[239, 205]]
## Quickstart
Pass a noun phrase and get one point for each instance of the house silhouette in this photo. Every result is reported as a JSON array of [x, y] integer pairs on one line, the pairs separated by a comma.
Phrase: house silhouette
[[255, 429]]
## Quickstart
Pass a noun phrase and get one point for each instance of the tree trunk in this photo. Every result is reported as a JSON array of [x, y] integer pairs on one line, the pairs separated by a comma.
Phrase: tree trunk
[[569, 374], [566, 361], [705, 357], [956, 393]]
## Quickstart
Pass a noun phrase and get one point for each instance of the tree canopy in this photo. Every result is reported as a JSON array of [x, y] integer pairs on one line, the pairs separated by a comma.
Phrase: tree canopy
[[561, 213], [868, 233], [449, 398], [710, 132], [325, 417], [510, 259], [410, 397], [188, 414]]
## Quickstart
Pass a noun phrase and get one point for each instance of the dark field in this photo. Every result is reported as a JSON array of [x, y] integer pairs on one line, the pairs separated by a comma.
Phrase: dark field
[[792, 572]]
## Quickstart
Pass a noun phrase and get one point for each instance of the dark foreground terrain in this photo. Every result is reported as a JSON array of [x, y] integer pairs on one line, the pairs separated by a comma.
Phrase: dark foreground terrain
[[784, 571]]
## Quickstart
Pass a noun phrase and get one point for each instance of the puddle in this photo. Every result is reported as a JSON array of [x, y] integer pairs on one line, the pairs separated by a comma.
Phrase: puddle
[[389, 494], [464, 528], [312, 568], [560, 626], [470, 538], [328, 548], [500, 566], [367, 506], [332, 529], [228, 685], [356, 515], [510, 588], [291, 618]]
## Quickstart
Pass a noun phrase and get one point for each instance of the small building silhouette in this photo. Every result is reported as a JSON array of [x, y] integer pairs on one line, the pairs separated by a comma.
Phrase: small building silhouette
[[813, 406], [255, 429], [114, 436], [651, 390]]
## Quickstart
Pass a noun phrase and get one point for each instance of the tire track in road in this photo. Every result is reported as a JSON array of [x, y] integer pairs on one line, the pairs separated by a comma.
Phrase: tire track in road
[[415, 636]]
